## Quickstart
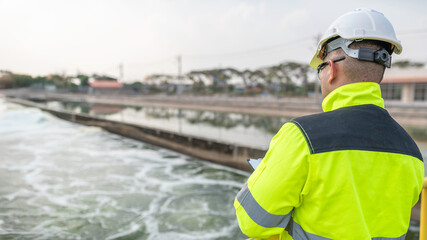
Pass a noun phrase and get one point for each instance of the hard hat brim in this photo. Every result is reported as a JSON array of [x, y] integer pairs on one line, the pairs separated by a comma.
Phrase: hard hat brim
[[316, 60]]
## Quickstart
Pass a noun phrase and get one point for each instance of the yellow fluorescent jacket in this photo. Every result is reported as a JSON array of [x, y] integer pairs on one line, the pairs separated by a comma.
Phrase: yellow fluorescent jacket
[[349, 173]]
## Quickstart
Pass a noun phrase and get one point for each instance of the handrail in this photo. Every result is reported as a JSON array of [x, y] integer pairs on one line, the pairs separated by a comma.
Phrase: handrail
[[423, 218]]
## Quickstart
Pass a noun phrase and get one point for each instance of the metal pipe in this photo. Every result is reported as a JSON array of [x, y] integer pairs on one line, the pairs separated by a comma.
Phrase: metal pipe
[[423, 221]]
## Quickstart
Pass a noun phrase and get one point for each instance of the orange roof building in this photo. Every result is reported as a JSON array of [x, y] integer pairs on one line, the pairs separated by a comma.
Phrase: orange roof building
[[103, 84], [405, 76], [405, 85]]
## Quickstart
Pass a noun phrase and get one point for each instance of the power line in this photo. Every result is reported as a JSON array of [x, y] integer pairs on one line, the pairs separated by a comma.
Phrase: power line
[[262, 50], [412, 31], [256, 50], [156, 62]]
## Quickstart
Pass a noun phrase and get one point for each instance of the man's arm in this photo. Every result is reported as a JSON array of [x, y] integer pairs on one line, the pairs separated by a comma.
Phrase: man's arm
[[264, 205]]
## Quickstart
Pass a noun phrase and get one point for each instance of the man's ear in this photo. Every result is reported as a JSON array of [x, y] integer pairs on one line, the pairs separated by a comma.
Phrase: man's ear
[[332, 72]]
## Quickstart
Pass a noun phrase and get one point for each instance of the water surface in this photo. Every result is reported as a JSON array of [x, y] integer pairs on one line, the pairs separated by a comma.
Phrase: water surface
[[243, 129], [60, 180]]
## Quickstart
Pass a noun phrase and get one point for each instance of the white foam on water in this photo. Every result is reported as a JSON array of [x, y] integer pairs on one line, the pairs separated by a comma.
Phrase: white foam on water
[[199, 235], [79, 183], [67, 172], [19, 193], [125, 232]]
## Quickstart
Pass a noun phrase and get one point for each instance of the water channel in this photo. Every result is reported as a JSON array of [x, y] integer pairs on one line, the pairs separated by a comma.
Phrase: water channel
[[247, 130], [242, 129], [60, 180]]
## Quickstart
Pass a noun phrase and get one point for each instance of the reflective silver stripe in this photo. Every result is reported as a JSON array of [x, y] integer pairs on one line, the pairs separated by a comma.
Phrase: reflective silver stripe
[[258, 214], [298, 233], [384, 238]]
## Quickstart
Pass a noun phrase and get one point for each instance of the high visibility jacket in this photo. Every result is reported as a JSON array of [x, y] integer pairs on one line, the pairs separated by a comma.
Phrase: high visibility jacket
[[349, 173]]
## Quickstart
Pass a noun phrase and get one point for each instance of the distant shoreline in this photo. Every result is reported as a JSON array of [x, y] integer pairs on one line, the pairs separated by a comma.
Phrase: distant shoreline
[[412, 117]]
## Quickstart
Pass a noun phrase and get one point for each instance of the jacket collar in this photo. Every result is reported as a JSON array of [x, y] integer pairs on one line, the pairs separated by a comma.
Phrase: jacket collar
[[353, 94]]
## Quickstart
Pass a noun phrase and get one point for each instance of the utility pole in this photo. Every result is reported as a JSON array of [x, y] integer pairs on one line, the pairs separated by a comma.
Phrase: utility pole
[[316, 86], [178, 86], [121, 72], [179, 59]]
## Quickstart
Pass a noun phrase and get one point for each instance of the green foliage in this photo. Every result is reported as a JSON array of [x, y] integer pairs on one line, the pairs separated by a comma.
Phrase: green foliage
[[84, 80], [231, 88], [39, 79], [6, 80], [154, 89], [199, 87], [278, 79], [311, 87], [136, 87], [104, 78], [12, 80], [137, 84], [408, 64], [22, 80], [59, 81]]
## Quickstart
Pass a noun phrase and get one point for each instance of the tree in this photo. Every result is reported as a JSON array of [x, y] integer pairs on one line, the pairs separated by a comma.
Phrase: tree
[[6, 81], [199, 87], [84, 80], [59, 81], [21, 80], [407, 64]]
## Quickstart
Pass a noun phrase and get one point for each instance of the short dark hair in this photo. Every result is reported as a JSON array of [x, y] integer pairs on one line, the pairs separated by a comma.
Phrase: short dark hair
[[362, 71]]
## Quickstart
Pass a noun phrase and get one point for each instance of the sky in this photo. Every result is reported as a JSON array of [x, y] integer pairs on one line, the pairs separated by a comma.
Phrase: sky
[[42, 37]]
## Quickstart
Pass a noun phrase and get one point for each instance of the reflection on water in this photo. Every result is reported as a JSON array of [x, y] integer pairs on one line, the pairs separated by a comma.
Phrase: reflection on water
[[243, 129], [60, 180]]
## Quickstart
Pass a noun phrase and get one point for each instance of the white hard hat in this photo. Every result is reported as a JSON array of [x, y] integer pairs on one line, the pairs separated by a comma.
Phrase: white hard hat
[[359, 24]]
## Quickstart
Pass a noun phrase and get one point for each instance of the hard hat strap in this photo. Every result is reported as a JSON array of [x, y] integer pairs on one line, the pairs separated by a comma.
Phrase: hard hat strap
[[381, 56]]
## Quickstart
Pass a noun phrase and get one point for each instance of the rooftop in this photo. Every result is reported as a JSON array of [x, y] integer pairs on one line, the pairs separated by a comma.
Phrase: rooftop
[[106, 84], [410, 75]]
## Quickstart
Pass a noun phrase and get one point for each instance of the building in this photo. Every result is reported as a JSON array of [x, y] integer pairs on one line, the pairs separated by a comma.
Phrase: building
[[100, 84], [405, 85]]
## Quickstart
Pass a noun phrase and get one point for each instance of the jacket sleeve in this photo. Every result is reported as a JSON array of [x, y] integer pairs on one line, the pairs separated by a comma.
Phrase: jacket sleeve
[[264, 205]]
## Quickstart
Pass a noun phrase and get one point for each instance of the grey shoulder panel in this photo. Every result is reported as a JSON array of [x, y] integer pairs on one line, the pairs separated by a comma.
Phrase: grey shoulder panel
[[364, 127]]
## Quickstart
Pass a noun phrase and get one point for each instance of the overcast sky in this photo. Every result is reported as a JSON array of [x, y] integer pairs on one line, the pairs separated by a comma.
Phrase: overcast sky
[[40, 37]]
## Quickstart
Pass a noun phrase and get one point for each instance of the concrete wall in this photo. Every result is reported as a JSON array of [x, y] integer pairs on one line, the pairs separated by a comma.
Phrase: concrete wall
[[408, 92]]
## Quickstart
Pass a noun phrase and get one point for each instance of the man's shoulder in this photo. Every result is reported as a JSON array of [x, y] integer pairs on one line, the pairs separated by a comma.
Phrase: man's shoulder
[[363, 127], [347, 112], [364, 116]]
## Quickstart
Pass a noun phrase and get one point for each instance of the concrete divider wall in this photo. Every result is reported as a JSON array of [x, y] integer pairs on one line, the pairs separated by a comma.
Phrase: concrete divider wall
[[222, 153]]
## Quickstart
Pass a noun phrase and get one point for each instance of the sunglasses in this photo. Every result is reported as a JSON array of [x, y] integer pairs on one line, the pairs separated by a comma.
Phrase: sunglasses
[[324, 64]]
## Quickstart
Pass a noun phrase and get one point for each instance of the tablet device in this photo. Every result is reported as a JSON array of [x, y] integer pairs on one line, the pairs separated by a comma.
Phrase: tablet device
[[254, 162]]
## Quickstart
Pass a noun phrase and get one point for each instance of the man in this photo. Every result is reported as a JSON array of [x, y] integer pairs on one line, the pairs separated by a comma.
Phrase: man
[[351, 172]]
